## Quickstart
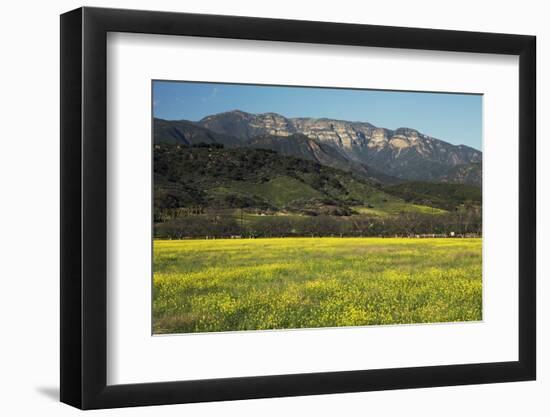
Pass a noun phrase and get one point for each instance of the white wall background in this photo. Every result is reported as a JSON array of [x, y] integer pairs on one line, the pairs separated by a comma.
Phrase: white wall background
[[29, 177]]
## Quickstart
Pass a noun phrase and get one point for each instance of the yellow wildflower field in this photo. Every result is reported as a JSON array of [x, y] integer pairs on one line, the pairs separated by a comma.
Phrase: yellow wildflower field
[[288, 283]]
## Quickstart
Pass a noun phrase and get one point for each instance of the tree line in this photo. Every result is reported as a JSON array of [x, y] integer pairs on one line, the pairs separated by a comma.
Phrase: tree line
[[406, 224]]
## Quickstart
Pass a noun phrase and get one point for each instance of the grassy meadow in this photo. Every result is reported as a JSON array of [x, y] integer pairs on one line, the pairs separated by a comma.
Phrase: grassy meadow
[[283, 283]]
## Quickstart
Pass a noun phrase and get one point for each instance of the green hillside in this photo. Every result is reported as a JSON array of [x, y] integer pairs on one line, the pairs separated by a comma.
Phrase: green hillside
[[213, 177], [441, 195]]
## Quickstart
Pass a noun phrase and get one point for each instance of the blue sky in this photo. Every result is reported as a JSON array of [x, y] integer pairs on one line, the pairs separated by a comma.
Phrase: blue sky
[[454, 118]]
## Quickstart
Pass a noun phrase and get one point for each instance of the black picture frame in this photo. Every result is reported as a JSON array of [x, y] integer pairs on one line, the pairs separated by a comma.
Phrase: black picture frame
[[84, 207]]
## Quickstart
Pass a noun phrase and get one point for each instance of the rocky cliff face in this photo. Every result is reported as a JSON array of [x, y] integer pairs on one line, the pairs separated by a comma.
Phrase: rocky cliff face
[[347, 136], [403, 153]]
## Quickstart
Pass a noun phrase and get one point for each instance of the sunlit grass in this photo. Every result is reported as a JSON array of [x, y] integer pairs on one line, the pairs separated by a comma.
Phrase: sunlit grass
[[392, 208], [253, 284]]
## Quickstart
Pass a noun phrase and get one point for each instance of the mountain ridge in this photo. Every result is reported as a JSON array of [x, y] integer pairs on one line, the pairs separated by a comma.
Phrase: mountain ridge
[[403, 154], [399, 130]]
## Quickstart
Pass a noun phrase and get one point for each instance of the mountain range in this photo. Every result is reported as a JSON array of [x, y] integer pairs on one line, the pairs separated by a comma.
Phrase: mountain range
[[370, 152]]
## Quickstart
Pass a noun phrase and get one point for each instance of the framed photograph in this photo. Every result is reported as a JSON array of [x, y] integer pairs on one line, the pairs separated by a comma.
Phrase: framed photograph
[[258, 208]]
